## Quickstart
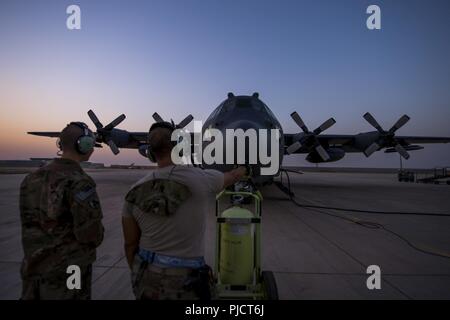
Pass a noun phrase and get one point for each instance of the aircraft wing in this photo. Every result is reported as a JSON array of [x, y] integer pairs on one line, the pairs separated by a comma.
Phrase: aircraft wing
[[358, 143], [325, 139], [336, 139], [117, 138], [410, 140], [133, 140], [50, 134], [140, 136]]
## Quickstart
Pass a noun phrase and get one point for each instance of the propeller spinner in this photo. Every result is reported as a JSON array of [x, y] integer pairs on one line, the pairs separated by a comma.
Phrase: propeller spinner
[[309, 139], [386, 138], [104, 133]]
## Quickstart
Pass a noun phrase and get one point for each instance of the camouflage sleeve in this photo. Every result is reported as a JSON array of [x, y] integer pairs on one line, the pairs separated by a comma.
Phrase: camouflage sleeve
[[87, 213]]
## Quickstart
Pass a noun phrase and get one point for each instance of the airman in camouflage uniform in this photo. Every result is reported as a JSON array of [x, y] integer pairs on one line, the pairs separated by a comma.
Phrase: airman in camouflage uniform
[[61, 226], [164, 224], [159, 197]]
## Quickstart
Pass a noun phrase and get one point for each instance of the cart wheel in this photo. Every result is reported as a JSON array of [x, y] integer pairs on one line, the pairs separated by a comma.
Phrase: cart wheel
[[269, 285]]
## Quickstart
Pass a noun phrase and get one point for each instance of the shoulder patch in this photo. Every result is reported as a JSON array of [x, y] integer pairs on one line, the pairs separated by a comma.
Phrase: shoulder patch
[[159, 196], [85, 193]]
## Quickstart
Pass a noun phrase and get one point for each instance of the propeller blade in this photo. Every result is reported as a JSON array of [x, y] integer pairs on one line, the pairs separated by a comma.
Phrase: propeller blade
[[94, 119], [115, 122], [113, 147], [157, 117], [299, 121], [371, 149], [402, 151], [324, 126], [373, 122], [185, 121], [322, 153], [400, 123], [294, 147]]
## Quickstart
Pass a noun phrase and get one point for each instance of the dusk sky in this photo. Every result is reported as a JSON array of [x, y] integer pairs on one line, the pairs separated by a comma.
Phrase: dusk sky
[[179, 57]]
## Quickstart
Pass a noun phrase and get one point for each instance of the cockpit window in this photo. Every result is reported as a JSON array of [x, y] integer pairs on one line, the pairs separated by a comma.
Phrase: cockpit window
[[258, 105], [249, 103], [269, 111], [227, 106], [241, 103], [215, 112]]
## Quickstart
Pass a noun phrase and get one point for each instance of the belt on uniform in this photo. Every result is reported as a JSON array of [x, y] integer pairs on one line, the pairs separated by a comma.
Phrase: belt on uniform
[[164, 261], [169, 271]]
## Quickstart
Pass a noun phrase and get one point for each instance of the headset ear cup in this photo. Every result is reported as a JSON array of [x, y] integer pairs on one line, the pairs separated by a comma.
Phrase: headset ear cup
[[58, 144], [85, 144]]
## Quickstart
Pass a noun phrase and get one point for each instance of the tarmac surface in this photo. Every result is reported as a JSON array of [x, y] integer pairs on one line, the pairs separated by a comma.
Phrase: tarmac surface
[[313, 255]]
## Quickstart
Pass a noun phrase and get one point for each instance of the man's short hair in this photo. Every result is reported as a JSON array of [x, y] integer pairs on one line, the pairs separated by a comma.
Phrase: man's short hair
[[160, 141], [69, 136]]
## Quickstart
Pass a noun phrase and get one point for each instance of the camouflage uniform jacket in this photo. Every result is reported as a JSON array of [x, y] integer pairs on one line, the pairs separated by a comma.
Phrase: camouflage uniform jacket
[[61, 219]]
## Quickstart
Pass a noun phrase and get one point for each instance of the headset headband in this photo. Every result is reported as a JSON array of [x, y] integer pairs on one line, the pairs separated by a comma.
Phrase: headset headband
[[162, 124], [82, 126]]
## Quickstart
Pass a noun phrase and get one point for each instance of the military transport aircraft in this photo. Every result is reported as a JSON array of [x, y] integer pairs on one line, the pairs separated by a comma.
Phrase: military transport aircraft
[[245, 112]]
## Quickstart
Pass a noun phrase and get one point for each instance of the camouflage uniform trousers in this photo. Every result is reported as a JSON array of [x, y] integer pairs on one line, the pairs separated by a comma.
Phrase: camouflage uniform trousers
[[53, 286], [151, 283]]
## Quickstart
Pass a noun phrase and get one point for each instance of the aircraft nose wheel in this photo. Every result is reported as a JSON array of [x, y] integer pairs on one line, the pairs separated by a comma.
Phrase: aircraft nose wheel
[[269, 285]]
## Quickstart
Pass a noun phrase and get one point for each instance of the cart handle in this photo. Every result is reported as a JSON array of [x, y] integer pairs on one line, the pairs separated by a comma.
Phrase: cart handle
[[257, 195]]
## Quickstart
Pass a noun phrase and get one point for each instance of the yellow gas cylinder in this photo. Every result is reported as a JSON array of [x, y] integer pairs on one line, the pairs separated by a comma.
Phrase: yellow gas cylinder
[[236, 248]]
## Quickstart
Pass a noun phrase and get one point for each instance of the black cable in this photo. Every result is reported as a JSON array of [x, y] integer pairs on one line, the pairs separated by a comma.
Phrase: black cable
[[362, 223], [412, 245], [433, 214], [366, 224]]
